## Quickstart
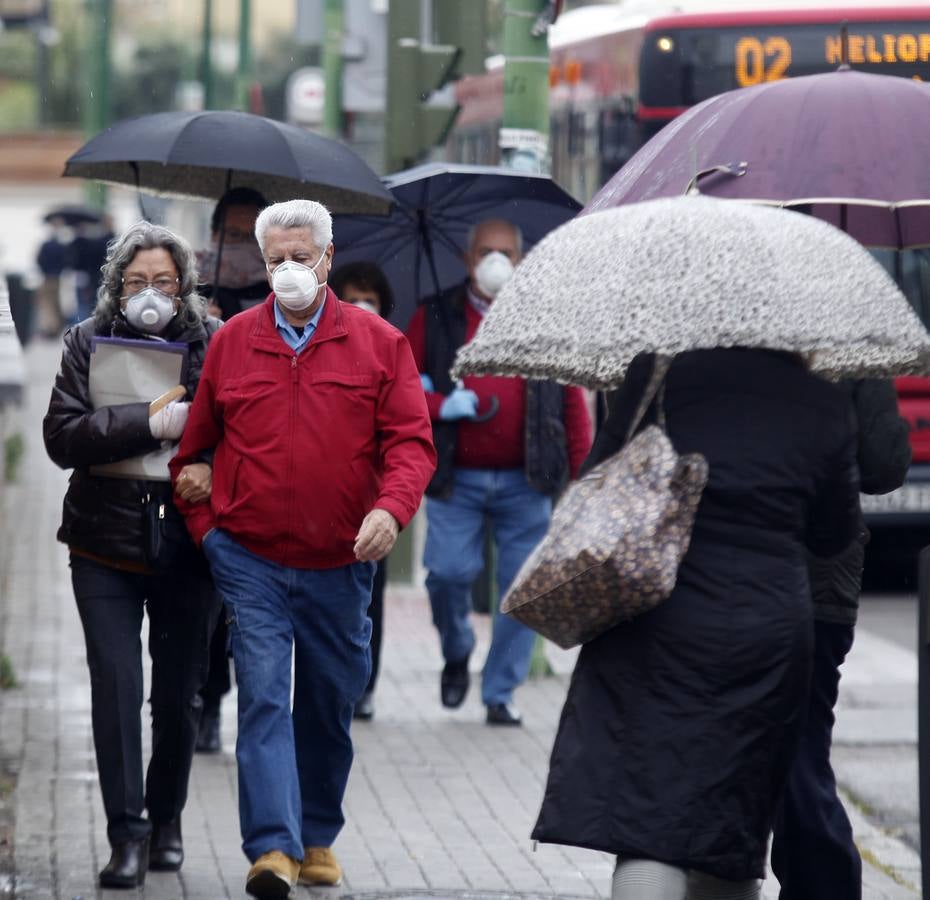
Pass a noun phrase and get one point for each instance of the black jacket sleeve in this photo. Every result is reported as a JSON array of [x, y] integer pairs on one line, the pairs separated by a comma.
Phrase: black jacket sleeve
[[76, 435], [834, 518], [884, 445], [621, 407]]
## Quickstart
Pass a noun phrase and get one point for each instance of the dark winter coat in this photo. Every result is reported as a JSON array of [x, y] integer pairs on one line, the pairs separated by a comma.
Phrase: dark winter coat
[[103, 516], [680, 726], [884, 455]]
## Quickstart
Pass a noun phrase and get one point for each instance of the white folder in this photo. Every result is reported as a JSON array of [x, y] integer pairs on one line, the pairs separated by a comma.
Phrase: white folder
[[123, 370]]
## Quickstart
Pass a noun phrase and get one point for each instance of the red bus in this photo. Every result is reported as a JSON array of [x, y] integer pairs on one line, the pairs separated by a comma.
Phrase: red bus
[[619, 73]]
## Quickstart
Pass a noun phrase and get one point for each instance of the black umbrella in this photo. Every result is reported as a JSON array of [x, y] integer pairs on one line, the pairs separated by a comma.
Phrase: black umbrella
[[203, 154], [420, 245], [74, 214]]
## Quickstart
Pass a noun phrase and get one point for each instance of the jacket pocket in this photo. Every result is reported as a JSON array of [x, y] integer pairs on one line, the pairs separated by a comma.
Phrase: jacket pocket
[[227, 493]]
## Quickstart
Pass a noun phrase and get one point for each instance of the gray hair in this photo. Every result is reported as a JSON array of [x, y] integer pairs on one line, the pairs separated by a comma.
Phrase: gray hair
[[473, 231], [296, 214], [122, 251]]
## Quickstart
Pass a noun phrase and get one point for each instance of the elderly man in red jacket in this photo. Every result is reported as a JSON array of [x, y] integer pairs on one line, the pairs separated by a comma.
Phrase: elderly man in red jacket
[[320, 435]]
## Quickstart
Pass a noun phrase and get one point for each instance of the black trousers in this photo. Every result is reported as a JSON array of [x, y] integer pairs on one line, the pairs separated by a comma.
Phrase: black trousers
[[376, 614], [814, 856], [182, 610], [218, 681]]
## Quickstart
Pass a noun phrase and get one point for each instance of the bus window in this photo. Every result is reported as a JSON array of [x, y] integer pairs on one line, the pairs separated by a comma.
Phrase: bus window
[[911, 270], [618, 139]]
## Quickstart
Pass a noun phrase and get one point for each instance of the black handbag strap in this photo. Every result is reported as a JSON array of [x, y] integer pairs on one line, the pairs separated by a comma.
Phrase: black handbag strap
[[655, 388]]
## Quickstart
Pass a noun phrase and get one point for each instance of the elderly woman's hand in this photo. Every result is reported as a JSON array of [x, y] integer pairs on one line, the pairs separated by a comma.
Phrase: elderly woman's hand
[[195, 482]]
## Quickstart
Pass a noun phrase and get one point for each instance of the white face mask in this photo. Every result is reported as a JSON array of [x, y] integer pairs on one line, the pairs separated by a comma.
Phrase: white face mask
[[295, 286], [492, 273], [364, 304], [149, 311]]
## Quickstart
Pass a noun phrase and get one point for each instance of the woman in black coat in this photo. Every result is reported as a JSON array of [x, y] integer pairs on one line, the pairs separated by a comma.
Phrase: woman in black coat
[[148, 293], [680, 726]]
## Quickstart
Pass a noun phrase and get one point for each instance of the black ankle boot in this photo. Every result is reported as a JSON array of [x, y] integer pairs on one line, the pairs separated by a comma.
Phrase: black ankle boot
[[167, 850], [127, 866], [208, 735]]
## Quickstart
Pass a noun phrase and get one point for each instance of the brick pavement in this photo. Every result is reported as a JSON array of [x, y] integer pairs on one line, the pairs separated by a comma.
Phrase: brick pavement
[[437, 801]]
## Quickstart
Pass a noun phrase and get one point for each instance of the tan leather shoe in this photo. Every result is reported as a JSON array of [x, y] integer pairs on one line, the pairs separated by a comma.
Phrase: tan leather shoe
[[272, 876], [320, 867]]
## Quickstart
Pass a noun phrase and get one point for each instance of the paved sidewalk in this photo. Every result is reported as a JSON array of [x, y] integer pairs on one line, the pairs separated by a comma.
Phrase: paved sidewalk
[[437, 802]]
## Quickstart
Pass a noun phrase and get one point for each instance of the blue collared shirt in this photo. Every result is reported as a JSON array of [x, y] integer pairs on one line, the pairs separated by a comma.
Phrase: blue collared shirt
[[297, 342]]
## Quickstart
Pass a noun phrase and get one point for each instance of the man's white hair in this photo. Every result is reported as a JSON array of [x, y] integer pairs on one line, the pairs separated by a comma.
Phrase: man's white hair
[[473, 233], [296, 214]]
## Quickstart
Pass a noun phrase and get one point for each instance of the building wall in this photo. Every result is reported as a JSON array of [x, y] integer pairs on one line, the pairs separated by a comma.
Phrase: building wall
[[268, 16]]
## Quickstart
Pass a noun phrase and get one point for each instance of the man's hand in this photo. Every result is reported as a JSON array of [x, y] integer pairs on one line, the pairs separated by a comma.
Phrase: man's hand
[[195, 482], [376, 537]]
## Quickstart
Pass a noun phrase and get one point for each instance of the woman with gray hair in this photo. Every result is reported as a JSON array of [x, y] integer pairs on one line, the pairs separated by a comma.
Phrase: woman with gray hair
[[147, 294]]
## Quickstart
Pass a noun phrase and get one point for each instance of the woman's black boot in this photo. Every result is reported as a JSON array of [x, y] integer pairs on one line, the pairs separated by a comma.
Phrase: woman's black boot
[[128, 864]]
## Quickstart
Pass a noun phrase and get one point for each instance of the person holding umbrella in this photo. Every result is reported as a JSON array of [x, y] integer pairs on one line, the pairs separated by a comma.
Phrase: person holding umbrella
[[681, 725], [51, 262], [507, 467], [232, 266], [233, 263], [315, 416]]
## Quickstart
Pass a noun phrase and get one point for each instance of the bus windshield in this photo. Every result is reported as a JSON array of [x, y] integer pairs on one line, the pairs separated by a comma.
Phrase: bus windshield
[[911, 270], [685, 66]]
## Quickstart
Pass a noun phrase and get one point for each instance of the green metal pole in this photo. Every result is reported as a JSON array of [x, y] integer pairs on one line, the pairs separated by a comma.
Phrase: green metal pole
[[97, 108], [244, 72], [206, 53], [524, 137], [401, 124], [332, 67]]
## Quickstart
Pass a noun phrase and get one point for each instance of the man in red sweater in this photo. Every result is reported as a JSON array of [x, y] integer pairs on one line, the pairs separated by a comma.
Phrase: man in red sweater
[[505, 447], [314, 413]]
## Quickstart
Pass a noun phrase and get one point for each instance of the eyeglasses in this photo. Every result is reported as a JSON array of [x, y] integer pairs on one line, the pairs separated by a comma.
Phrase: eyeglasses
[[164, 284]]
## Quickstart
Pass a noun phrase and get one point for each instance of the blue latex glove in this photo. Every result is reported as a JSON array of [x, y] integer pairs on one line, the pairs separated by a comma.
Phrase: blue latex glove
[[460, 404], [427, 383]]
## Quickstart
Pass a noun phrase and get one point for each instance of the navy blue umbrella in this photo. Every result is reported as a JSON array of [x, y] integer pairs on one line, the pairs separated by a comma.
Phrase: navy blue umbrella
[[420, 244], [204, 154]]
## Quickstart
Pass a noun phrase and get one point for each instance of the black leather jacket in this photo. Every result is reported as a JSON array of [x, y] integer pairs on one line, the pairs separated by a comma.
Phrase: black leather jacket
[[101, 515], [884, 455]]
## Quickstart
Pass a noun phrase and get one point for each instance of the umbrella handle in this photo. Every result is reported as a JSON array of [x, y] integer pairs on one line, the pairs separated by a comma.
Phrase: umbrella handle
[[735, 170], [493, 406]]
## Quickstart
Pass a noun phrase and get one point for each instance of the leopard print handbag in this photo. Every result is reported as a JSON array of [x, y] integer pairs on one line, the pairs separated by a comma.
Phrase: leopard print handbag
[[616, 538]]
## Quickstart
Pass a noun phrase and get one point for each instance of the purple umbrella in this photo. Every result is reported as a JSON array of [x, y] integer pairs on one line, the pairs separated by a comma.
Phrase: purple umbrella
[[851, 147]]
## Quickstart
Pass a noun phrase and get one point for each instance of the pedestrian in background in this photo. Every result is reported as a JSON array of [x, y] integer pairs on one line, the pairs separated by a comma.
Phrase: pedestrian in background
[[148, 293], [365, 286], [51, 260], [241, 283], [85, 257], [507, 468], [315, 417], [814, 854], [680, 727]]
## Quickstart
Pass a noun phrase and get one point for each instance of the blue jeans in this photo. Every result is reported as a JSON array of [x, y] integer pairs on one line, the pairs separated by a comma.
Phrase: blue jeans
[[293, 765], [453, 556]]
